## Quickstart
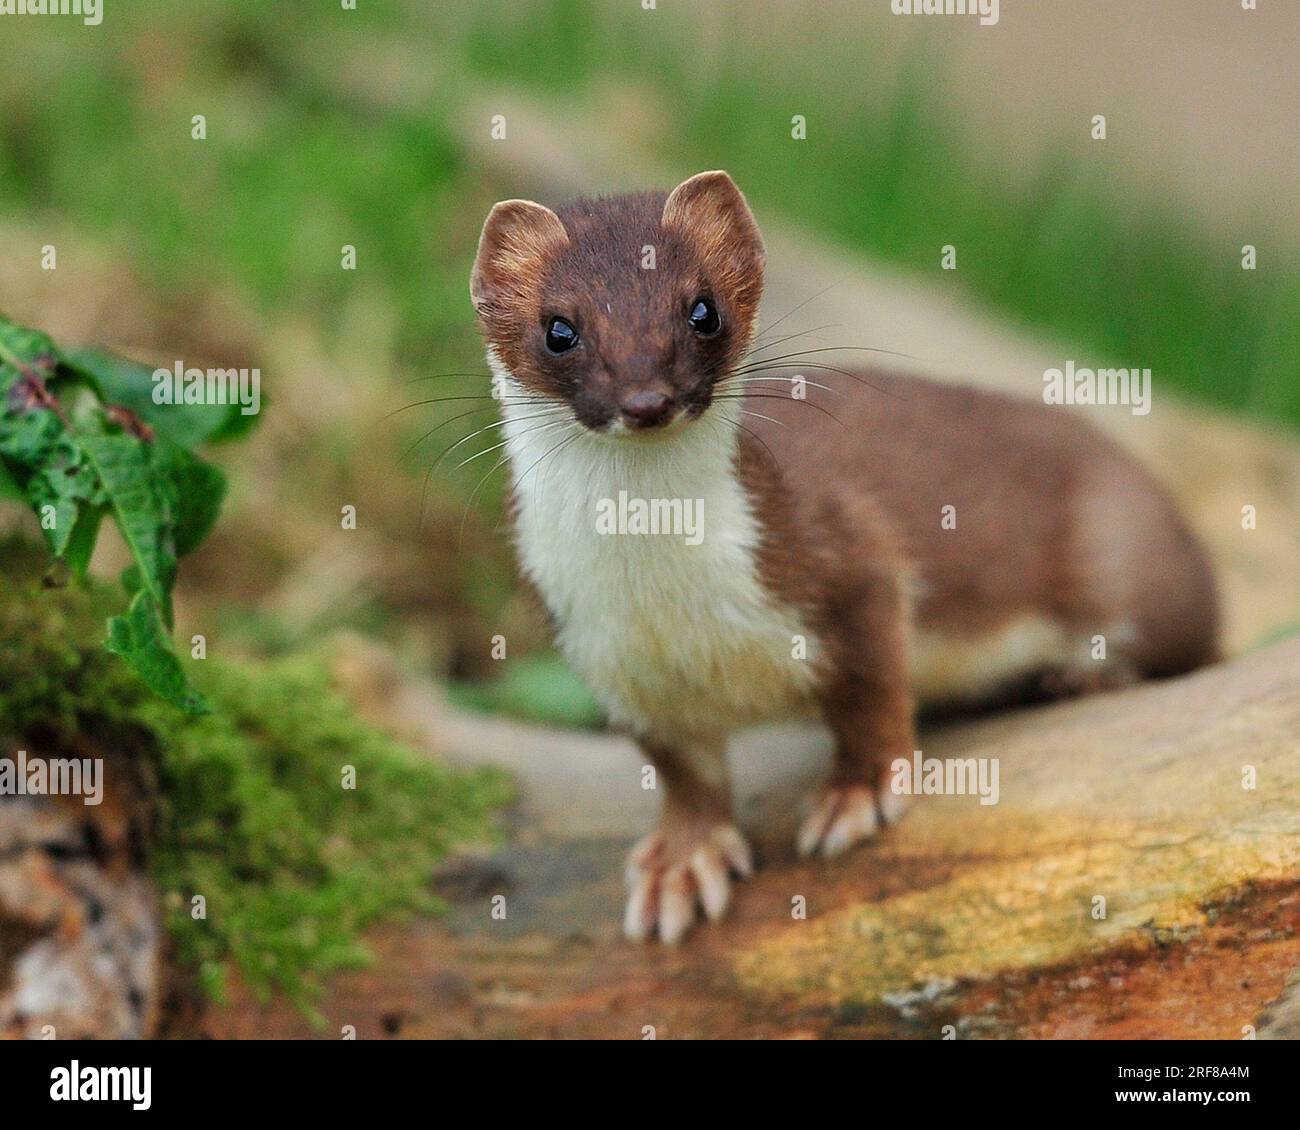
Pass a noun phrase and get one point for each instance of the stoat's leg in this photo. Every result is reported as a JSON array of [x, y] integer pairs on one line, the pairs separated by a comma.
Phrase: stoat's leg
[[686, 863], [870, 710]]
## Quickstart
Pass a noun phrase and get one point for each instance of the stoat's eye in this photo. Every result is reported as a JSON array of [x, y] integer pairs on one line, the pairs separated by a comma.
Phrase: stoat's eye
[[704, 318], [560, 336]]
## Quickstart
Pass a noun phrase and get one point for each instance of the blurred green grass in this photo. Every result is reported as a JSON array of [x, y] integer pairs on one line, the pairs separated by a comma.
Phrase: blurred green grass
[[1107, 264], [289, 172], [294, 159], [326, 128]]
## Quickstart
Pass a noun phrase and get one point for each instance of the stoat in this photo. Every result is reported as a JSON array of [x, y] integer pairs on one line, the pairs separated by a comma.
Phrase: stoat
[[859, 543]]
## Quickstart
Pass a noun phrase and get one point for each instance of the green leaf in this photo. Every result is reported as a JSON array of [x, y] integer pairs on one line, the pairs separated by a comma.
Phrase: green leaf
[[44, 460], [132, 385], [200, 490], [26, 349], [144, 506], [10, 489], [81, 543], [75, 462], [131, 580], [140, 638]]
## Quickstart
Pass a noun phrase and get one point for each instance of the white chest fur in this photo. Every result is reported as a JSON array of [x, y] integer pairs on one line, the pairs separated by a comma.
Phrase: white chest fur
[[672, 629]]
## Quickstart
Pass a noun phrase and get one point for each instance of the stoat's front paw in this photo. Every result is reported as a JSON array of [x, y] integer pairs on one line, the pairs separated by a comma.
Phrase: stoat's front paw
[[844, 815], [671, 875]]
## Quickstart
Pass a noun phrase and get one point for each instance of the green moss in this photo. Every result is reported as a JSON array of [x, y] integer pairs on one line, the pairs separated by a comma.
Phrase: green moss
[[255, 819], [55, 676]]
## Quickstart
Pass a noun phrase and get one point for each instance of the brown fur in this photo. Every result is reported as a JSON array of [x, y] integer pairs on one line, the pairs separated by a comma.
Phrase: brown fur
[[1052, 518], [586, 264], [1054, 523], [849, 484]]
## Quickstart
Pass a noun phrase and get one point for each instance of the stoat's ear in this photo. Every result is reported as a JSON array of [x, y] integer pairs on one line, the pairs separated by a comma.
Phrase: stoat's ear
[[517, 237], [712, 213], [709, 213]]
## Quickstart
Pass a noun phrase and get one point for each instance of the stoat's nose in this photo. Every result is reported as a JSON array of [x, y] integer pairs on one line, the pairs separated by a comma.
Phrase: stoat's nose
[[645, 408]]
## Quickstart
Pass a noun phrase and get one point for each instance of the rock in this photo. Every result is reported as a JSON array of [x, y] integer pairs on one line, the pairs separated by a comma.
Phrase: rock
[[82, 951], [1282, 1020], [98, 980], [1122, 817]]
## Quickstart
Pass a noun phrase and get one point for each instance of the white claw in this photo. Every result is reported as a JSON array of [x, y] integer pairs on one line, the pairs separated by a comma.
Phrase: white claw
[[810, 832], [841, 817], [710, 873], [855, 821], [892, 805], [735, 850], [638, 918], [676, 906], [667, 888]]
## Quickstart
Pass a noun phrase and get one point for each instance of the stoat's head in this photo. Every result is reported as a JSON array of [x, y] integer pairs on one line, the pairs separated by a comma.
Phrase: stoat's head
[[627, 309]]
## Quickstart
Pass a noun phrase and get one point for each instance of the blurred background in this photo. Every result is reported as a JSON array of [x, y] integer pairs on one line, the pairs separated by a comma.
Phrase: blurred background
[[373, 128]]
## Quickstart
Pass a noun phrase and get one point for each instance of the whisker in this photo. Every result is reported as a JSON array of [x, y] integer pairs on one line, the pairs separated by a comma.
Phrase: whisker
[[778, 423], [576, 436], [768, 329], [452, 420], [788, 380], [790, 337], [763, 367], [474, 494], [548, 454], [577, 430], [493, 469], [486, 427], [754, 435], [450, 399], [841, 349], [504, 442], [739, 396], [428, 475], [822, 367], [442, 376], [541, 482]]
